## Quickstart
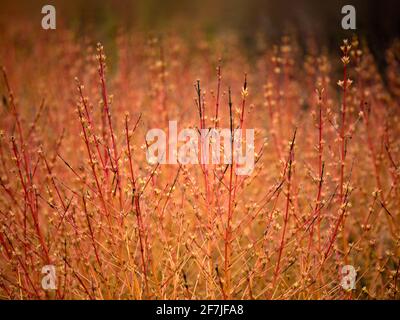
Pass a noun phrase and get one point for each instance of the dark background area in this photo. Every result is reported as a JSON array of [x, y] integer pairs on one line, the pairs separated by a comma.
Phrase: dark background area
[[378, 21]]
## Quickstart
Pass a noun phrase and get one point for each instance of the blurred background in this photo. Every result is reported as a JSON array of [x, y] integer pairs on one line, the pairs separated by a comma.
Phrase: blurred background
[[377, 21]]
